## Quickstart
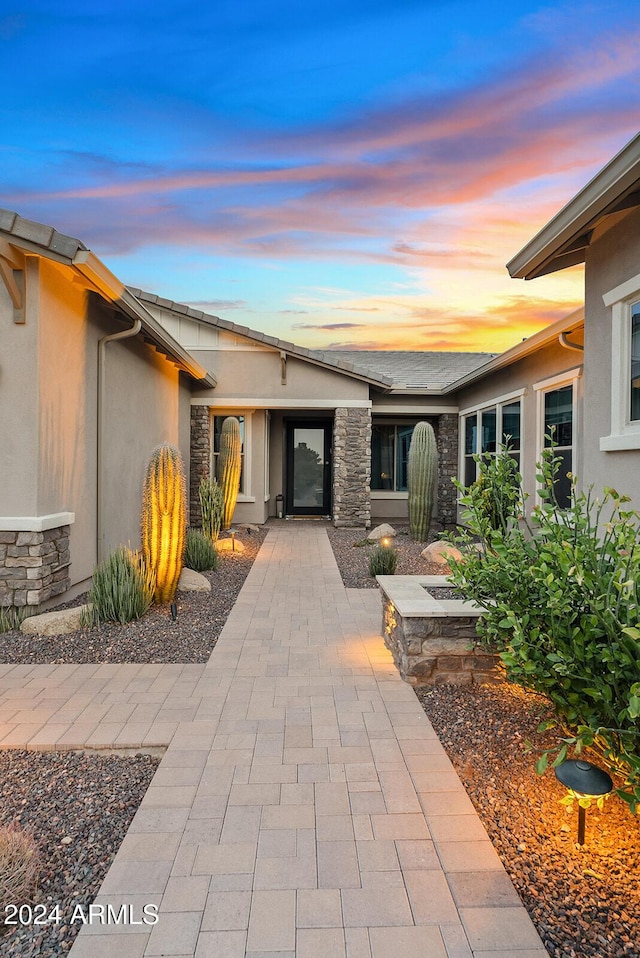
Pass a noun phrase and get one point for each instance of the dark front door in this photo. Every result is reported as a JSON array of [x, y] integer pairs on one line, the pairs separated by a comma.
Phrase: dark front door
[[308, 486]]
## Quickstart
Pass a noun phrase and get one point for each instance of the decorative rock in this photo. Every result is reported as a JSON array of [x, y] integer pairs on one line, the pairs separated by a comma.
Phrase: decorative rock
[[249, 526], [384, 531], [440, 552], [229, 545], [58, 622], [192, 581]]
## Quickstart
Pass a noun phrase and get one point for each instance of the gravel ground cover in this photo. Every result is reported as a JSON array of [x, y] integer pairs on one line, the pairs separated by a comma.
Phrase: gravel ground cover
[[353, 551], [155, 637], [78, 807], [584, 901]]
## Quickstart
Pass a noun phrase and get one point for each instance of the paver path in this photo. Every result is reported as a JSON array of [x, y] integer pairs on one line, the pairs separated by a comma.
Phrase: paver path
[[304, 807]]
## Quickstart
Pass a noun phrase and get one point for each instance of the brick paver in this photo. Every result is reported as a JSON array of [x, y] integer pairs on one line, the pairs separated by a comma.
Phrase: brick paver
[[304, 805]]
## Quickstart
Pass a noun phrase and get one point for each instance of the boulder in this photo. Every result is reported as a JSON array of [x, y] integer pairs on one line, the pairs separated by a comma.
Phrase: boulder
[[439, 552], [192, 581], [228, 545], [384, 531], [58, 622]]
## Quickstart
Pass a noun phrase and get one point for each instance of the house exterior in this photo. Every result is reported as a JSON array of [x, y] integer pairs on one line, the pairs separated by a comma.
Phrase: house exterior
[[93, 375], [600, 227], [89, 384]]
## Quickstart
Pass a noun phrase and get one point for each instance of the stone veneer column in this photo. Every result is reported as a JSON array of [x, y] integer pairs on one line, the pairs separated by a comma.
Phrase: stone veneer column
[[352, 467], [447, 441], [34, 566], [200, 459]]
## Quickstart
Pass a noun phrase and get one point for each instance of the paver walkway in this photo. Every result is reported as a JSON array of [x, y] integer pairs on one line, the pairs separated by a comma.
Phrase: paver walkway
[[304, 807]]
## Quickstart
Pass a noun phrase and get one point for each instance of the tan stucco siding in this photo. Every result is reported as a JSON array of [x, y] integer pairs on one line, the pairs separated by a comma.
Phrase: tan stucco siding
[[19, 390], [258, 373], [612, 258]]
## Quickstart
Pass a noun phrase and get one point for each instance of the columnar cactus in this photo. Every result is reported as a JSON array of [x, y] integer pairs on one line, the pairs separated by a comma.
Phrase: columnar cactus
[[422, 469], [164, 519], [229, 466]]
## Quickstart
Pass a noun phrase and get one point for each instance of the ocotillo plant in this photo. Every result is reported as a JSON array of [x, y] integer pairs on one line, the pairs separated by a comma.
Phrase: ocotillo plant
[[212, 505], [164, 519], [422, 468], [229, 466]]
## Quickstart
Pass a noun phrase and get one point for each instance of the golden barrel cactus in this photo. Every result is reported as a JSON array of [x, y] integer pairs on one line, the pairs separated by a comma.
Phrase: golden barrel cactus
[[164, 519]]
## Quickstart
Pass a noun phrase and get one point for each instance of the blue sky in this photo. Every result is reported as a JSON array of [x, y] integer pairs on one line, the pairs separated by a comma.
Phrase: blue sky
[[339, 174]]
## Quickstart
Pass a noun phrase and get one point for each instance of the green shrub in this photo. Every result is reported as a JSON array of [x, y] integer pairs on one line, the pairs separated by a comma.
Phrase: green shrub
[[382, 561], [122, 590], [496, 496], [11, 617], [212, 505], [561, 603], [200, 554]]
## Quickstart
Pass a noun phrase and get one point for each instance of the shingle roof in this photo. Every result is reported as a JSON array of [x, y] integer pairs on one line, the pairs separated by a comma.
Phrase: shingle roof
[[415, 370]]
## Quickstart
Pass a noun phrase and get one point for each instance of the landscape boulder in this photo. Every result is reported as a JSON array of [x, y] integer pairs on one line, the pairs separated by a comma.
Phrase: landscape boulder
[[384, 531], [192, 581], [440, 552], [58, 622]]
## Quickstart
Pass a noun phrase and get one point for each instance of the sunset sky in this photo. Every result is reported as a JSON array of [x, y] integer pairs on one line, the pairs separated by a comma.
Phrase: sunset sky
[[336, 173]]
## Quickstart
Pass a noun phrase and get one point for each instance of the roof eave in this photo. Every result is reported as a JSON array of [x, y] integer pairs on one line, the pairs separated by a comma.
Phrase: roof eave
[[564, 239]]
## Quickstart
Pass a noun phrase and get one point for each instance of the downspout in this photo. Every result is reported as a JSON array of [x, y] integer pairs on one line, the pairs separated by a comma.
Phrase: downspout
[[102, 344], [562, 339]]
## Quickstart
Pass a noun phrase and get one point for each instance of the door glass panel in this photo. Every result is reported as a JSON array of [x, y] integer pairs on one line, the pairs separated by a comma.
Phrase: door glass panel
[[308, 467]]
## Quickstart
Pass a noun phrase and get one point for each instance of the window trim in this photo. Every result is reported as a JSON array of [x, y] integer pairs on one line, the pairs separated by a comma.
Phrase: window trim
[[506, 399], [247, 414], [625, 432], [544, 386]]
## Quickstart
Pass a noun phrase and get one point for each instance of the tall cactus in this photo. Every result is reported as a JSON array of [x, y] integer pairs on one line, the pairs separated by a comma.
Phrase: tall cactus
[[229, 466], [422, 469], [164, 519]]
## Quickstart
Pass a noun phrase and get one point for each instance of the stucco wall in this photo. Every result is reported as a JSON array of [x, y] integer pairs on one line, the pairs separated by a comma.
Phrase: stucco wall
[[19, 403], [612, 258]]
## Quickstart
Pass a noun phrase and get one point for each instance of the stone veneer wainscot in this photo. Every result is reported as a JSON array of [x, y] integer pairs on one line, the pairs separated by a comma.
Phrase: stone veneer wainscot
[[352, 467], [200, 455], [34, 566]]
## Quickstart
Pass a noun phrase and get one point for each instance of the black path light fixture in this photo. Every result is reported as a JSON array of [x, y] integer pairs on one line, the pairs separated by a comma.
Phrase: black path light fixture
[[586, 781]]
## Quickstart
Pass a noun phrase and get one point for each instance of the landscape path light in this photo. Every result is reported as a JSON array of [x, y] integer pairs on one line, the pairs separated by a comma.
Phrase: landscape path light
[[586, 781]]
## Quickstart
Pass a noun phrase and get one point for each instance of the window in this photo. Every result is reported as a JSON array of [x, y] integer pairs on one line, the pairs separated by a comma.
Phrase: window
[[558, 430], [624, 302], [389, 455], [217, 431], [557, 425], [481, 431]]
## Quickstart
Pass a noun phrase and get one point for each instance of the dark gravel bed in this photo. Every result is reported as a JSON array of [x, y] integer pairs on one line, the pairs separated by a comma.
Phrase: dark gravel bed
[[584, 901], [78, 808], [352, 553], [155, 637]]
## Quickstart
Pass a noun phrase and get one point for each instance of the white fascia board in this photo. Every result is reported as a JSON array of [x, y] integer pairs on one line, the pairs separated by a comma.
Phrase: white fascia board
[[36, 523], [408, 410], [257, 402]]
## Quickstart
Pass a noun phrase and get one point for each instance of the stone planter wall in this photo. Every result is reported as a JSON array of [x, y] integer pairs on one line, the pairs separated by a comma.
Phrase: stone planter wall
[[435, 644], [34, 566], [352, 467]]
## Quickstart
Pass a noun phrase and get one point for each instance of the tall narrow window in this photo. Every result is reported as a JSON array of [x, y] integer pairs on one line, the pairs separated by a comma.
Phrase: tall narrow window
[[558, 430], [635, 363]]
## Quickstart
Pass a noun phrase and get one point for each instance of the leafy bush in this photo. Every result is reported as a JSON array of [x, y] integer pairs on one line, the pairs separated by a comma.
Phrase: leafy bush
[[560, 598], [11, 617], [19, 867], [212, 505], [200, 554], [122, 590], [496, 497], [383, 561]]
